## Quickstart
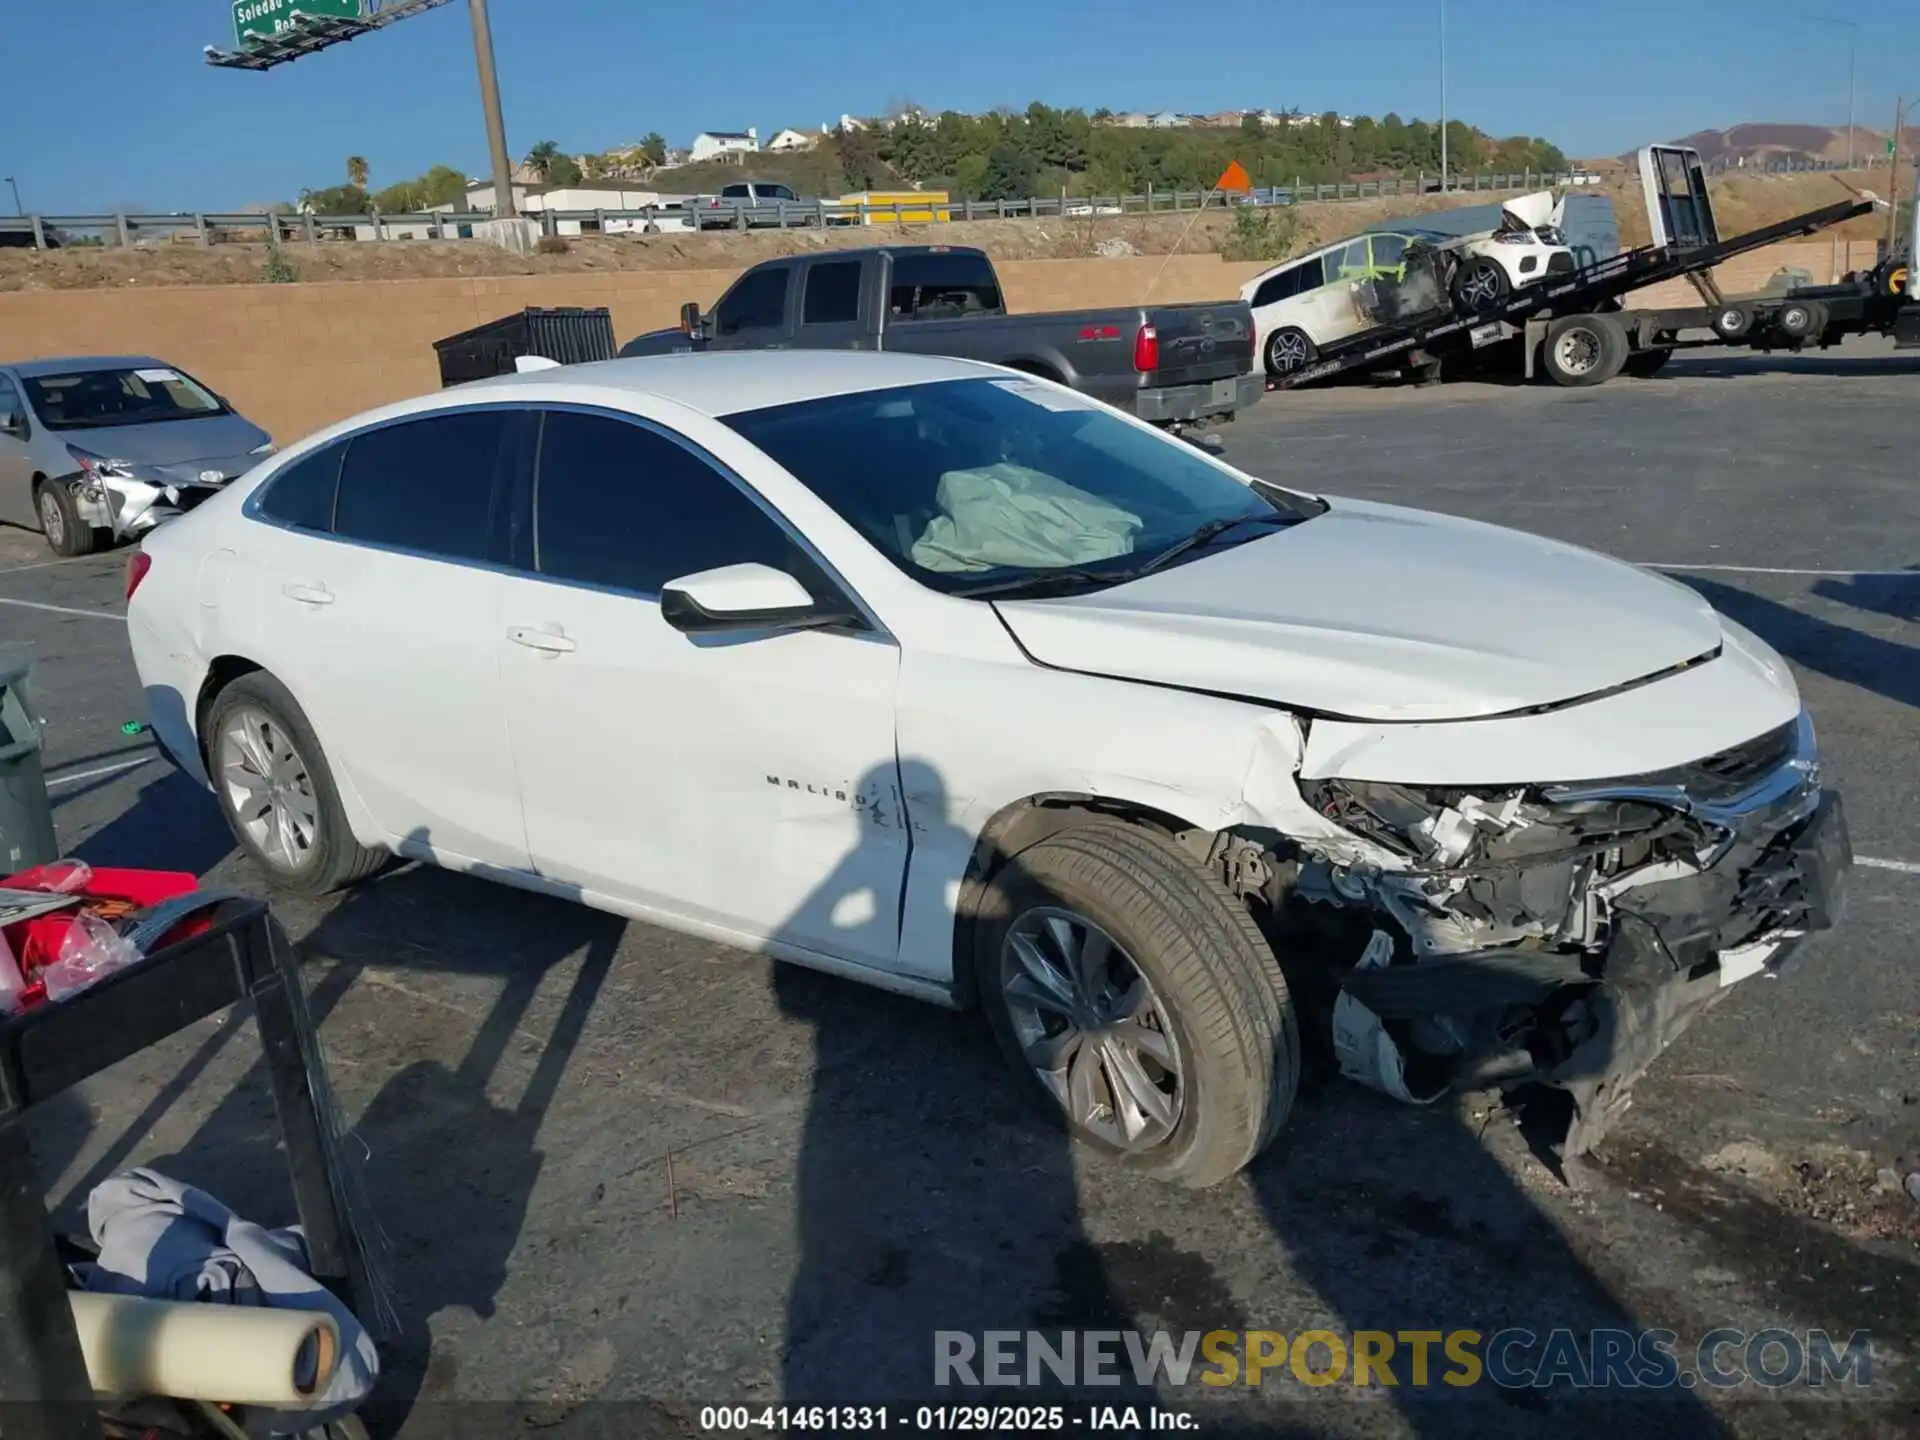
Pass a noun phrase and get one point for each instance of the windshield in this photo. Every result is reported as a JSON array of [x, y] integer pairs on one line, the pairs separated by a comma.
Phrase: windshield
[[1000, 485], [96, 399]]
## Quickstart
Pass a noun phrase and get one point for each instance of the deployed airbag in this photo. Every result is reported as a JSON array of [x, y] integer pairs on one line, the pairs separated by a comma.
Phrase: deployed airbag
[[1007, 514]]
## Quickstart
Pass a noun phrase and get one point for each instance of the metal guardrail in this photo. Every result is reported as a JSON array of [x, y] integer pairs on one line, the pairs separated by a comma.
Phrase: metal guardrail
[[208, 228]]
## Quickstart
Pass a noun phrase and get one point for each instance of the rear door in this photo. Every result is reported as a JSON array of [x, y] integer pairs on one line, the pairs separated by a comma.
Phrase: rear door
[[376, 602], [16, 466], [831, 302]]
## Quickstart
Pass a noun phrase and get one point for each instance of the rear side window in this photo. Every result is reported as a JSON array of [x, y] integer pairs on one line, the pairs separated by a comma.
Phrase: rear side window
[[757, 302], [734, 192], [833, 293], [425, 485], [1294, 280], [623, 506], [941, 285], [302, 493]]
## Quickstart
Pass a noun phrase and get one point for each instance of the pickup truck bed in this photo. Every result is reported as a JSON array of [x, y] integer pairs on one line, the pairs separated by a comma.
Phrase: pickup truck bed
[[1182, 364]]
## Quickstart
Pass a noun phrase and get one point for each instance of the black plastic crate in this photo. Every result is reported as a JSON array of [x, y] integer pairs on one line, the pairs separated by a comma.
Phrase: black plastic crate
[[571, 336]]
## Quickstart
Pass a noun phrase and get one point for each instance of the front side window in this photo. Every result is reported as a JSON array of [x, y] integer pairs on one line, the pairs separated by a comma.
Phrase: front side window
[[426, 485], [973, 484], [101, 399], [622, 506], [758, 301]]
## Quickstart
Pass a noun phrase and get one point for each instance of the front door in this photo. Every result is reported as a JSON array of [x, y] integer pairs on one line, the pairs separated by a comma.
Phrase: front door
[[378, 610], [745, 781], [16, 466]]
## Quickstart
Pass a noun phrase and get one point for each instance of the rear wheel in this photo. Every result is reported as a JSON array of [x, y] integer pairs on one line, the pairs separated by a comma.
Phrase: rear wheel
[[1731, 322], [1288, 350], [1582, 350], [1799, 320], [277, 792], [67, 534], [1138, 1001]]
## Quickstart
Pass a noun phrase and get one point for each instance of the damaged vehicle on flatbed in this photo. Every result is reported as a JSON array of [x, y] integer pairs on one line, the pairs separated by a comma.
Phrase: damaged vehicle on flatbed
[[955, 681]]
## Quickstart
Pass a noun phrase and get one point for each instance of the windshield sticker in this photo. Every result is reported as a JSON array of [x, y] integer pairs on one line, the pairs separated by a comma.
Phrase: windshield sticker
[[1045, 396], [158, 377]]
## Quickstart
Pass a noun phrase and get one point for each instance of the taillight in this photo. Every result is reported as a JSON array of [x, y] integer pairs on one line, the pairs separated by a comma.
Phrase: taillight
[[138, 564], [1146, 349]]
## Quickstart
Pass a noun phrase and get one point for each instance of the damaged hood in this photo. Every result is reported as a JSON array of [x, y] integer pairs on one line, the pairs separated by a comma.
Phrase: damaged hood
[[1530, 212], [1374, 612]]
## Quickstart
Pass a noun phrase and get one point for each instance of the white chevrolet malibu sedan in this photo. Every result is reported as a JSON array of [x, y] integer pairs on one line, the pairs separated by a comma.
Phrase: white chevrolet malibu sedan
[[948, 679]]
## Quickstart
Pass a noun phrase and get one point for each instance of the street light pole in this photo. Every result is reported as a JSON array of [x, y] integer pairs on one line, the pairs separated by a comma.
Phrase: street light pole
[[18, 208], [1443, 97], [1853, 48], [503, 205]]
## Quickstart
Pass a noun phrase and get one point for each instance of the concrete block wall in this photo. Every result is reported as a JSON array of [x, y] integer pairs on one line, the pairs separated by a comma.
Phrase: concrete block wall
[[299, 357]]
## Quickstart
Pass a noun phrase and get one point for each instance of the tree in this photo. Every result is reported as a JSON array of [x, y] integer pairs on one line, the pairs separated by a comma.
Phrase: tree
[[1010, 174], [564, 171], [1252, 125], [444, 185], [357, 171], [1101, 116], [654, 149], [542, 157], [336, 200], [406, 198], [859, 159]]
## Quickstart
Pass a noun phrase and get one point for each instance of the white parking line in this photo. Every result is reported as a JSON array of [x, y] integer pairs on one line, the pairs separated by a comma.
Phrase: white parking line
[[1899, 867], [80, 775], [64, 610], [43, 565], [1776, 570]]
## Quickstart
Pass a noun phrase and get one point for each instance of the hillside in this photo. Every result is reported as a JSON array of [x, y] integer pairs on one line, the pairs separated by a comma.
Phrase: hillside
[[1767, 142]]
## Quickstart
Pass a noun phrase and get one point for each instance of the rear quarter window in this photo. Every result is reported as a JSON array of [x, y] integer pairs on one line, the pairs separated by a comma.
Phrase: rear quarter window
[[302, 494]]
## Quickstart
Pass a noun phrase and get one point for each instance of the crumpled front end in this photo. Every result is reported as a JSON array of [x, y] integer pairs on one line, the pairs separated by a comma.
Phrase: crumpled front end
[[130, 502], [1563, 934]]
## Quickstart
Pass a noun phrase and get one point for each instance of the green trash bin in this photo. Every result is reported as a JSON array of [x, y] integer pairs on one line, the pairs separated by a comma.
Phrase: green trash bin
[[26, 814]]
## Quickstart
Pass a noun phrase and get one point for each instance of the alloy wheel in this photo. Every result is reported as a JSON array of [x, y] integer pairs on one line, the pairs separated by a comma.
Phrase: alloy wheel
[[1287, 351], [1092, 1028], [269, 788], [53, 523], [1481, 286]]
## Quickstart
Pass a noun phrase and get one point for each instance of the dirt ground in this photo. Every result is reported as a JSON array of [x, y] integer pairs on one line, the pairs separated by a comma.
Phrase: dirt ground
[[1742, 203]]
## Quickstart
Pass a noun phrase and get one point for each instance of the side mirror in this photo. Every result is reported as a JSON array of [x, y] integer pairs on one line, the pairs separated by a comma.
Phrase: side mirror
[[15, 425], [690, 322], [744, 597]]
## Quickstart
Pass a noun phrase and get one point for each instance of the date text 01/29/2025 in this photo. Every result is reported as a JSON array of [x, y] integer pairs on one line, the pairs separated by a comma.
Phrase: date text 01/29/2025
[[965, 1419]]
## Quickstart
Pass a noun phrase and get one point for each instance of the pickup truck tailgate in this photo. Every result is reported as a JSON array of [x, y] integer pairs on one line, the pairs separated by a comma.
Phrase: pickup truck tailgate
[[1202, 342]]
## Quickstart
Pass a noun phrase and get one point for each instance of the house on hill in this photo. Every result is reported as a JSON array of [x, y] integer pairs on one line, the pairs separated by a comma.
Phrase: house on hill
[[790, 139], [725, 145]]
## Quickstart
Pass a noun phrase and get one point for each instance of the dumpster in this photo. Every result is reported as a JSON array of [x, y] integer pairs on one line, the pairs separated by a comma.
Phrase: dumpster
[[26, 815], [570, 336]]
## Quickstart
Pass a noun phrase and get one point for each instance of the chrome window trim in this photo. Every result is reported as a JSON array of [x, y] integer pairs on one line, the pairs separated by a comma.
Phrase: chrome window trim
[[250, 507]]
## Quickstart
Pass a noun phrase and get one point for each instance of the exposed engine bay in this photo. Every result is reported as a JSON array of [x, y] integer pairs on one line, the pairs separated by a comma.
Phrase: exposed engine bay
[[1556, 934]]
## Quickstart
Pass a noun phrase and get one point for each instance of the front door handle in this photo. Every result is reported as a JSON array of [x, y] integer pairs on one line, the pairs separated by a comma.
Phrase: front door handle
[[308, 594], [553, 642]]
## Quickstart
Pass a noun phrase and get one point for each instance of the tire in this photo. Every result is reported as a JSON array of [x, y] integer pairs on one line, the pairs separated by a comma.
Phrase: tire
[[326, 856], [1479, 285], [1732, 322], [1582, 350], [1645, 364], [66, 533], [1798, 320], [1208, 988], [1289, 349]]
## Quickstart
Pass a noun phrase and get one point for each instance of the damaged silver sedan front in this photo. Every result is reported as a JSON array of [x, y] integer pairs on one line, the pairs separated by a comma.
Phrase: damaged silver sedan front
[[98, 450]]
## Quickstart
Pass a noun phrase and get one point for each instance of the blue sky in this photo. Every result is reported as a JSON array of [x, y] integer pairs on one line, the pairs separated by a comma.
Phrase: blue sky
[[109, 104]]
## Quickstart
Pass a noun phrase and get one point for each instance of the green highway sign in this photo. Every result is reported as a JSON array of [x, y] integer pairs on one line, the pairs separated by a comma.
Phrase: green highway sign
[[255, 20], [1890, 147]]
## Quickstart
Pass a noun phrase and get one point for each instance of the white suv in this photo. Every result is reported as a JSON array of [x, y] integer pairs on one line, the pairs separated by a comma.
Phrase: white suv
[[1303, 305]]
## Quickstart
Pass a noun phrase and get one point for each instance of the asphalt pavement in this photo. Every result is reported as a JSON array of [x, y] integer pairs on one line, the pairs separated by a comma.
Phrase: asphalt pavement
[[621, 1175]]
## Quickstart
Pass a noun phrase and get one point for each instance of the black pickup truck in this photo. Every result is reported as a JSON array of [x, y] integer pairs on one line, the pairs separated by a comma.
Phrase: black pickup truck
[[1174, 365]]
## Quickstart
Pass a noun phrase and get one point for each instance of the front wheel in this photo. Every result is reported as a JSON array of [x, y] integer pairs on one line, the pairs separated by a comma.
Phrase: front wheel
[[1288, 350], [1582, 350], [277, 792], [67, 534], [1479, 285], [1138, 1001]]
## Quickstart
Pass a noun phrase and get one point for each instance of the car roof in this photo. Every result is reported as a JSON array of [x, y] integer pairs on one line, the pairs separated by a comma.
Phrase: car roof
[[68, 364], [727, 382]]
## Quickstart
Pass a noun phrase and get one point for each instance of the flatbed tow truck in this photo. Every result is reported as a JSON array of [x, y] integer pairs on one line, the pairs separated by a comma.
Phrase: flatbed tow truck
[[1575, 328]]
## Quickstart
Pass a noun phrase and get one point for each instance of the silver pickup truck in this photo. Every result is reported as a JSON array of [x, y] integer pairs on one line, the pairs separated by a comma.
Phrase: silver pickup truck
[[1175, 365]]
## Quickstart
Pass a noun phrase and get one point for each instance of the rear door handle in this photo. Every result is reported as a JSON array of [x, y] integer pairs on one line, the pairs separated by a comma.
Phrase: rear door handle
[[550, 641], [308, 594]]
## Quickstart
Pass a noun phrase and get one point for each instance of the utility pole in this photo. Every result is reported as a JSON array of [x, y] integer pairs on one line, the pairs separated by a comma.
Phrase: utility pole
[[1893, 179], [503, 205], [1853, 49], [1443, 97], [18, 208]]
